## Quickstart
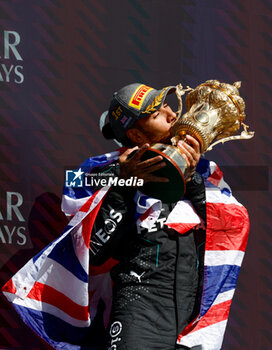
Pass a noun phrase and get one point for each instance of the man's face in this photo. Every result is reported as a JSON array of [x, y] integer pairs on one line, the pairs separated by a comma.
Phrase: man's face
[[156, 127]]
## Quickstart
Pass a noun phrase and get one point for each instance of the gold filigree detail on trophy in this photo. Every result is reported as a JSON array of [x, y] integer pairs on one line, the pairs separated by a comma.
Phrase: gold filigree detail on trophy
[[215, 112]]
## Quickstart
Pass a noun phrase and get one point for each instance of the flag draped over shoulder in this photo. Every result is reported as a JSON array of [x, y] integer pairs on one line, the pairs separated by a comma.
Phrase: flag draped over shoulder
[[51, 292], [57, 293], [226, 238]]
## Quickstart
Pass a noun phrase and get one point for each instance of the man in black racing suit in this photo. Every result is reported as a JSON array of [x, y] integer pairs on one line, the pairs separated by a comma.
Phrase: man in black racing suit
[[157, 282]]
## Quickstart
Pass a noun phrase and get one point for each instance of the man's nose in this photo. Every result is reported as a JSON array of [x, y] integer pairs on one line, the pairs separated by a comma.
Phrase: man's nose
[[171, 116]]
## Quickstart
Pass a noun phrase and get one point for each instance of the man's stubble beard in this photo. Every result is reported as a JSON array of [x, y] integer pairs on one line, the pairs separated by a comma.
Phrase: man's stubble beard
[[165, 138]]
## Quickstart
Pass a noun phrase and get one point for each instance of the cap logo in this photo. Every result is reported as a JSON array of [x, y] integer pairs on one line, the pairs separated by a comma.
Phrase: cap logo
[[117, 112], [156, 102], [139, 95]]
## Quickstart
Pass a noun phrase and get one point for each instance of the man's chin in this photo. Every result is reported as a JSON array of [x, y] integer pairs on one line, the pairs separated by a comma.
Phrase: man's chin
[[165, 139]]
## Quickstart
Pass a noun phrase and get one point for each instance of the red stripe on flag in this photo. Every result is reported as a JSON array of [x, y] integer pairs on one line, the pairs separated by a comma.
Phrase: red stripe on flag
[[9, 287], [46, 294], [146, 214], [86, 206], [181, 227], [106, 267], [216, 176], [215, 314], [227, 227]]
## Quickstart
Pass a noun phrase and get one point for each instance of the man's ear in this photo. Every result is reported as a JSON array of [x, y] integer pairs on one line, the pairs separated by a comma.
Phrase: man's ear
[[136, 136]]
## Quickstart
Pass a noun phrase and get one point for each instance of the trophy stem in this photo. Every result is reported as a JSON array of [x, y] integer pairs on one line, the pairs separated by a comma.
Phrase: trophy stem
[[190, 128]]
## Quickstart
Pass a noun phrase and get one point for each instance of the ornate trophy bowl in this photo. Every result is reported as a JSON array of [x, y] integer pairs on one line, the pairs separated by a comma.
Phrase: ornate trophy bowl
[[215, 111]]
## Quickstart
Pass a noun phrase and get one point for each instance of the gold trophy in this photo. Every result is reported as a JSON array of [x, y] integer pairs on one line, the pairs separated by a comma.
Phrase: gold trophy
[[215, 112]]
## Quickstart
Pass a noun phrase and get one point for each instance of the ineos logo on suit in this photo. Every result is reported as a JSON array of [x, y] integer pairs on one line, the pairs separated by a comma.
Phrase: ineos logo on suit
[[109, 226]]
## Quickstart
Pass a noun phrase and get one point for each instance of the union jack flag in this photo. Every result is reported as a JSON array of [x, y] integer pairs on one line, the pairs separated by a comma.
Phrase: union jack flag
[[57, 293], [226, 239]]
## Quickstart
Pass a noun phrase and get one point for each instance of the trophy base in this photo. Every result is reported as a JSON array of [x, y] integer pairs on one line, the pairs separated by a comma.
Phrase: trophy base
[[175, 170]]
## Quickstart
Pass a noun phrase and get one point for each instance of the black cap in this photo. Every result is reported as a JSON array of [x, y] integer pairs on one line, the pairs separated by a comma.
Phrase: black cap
[[133, 102]]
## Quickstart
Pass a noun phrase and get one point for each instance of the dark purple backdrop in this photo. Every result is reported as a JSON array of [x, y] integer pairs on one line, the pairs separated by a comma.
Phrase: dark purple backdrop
[[71, 56]]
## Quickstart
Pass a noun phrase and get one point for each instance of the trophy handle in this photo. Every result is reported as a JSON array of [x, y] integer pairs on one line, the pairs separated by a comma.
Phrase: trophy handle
[[244, 135], [180, 92]]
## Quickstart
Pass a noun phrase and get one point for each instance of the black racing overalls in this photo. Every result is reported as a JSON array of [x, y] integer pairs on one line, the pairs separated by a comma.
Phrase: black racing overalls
[[157, 283]]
